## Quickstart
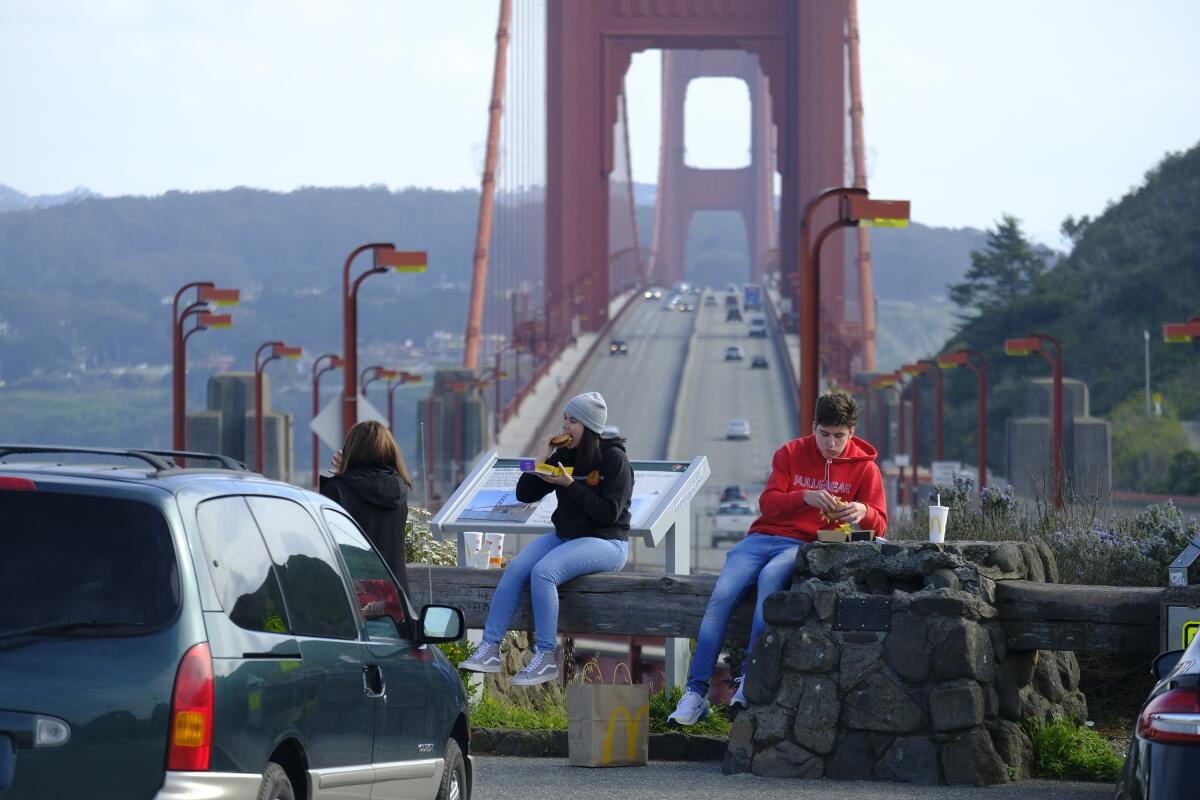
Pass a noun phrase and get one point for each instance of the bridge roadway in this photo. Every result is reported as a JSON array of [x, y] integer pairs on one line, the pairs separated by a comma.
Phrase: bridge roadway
[[673, 395]]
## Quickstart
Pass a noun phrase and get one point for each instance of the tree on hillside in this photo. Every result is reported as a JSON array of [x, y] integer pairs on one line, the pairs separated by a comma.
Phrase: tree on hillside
[[1003, 273]]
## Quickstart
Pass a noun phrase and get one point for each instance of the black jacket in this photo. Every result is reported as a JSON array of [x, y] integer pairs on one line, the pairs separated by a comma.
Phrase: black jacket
[[595, 505], [377, 499]]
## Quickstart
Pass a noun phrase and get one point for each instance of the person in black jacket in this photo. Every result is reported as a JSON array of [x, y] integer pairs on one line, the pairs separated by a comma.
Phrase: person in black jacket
[[371, 481], [591, 534]]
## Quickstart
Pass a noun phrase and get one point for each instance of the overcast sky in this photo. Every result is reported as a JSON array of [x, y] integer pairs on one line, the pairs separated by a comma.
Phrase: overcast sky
[[1038, 108]]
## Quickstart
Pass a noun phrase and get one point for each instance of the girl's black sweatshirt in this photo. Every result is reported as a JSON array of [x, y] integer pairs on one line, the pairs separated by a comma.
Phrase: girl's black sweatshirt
[[596, 503]]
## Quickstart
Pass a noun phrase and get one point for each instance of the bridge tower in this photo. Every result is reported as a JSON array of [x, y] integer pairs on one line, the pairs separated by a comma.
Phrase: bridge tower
[[684, 190], [802, 50]]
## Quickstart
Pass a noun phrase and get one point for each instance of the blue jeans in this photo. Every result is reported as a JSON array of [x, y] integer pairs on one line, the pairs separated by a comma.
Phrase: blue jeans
[[542, 565], [770, 560]]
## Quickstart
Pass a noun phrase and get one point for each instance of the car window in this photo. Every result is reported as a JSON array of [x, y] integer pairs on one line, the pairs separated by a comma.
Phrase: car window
[[240, 566], [374, 588], [312, 581], [85, 559]]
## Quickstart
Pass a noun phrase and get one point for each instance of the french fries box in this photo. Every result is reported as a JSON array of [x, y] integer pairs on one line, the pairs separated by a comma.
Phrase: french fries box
[[529, 465]]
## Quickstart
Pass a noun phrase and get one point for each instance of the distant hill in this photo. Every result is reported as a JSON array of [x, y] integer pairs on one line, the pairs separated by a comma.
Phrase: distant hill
[[12, 200]]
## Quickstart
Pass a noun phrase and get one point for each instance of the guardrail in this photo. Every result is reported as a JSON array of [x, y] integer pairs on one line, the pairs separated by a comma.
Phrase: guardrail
[[1035, 616]]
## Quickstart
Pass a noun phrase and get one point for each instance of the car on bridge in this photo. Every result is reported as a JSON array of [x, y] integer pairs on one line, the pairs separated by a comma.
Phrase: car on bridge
[[732, 314], [207, 632], [738, 429], [710, 301], [618, 347], [759, 362], [653, 293], [758, 328], [732, 492], [735, 507], [734, 353]]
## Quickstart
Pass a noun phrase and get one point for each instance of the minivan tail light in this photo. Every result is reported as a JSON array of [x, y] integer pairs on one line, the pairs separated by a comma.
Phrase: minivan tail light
[[1173, 716], [192, 712], [17, 484]]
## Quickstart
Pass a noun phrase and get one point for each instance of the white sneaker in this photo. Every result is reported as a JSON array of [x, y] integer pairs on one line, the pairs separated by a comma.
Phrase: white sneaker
[[739, 699], [540, 670], [691, 709], [486, 658]]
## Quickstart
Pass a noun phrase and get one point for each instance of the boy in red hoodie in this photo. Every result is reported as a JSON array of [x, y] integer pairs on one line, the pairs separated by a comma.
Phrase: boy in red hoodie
[[817, 481]]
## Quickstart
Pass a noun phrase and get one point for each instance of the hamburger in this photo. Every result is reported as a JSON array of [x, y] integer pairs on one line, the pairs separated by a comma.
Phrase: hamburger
[[562, 440]]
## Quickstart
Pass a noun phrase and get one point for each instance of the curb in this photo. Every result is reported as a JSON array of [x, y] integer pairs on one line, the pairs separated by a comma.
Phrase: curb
[[553, 744], [681, 381]]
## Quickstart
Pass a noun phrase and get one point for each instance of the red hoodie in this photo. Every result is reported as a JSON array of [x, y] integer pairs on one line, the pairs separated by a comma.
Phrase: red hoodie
[[800, 466]]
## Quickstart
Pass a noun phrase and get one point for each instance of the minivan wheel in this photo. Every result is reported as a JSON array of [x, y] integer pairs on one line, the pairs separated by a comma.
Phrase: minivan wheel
[[454, 777], [275, 784]]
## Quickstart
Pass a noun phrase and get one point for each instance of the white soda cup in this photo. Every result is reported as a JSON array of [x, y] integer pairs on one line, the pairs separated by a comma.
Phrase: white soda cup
[[473, 548], [937, 523], [493, 545]]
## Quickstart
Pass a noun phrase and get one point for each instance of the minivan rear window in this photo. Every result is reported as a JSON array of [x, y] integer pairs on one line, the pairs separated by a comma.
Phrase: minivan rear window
[[83, 565]]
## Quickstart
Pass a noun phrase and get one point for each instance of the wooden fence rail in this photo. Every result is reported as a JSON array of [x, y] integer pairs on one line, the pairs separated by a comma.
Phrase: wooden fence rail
[[1035, 616]]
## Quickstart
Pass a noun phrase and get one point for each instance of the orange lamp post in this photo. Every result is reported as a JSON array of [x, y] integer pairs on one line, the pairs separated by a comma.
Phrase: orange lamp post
[[207, 296], [855, 207], [914, 370], [276, 350], [384, 257], [978, 366], [1034, 344], [1181, 332], [324, 363]]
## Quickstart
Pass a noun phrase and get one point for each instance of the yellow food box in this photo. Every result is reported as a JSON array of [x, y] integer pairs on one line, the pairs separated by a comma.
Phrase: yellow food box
[[551, 470]]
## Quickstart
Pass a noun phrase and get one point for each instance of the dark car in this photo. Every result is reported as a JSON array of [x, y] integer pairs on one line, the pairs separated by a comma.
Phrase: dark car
[[172, 632], [1166, 738], [732, 492], [732, 314], [759, 362], [618, 347]]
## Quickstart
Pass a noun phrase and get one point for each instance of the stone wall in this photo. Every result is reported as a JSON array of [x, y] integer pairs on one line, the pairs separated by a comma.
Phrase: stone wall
[[887, 662]]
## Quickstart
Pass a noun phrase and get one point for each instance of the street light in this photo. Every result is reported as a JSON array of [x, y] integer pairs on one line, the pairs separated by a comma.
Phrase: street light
[[1033, 344], [1181, 332], [939, 394], [385, 256], [377, 373], [278, 350], [207, 295], [855, 207], [400, 380], [334, 362], [914, 370], [963, 358]]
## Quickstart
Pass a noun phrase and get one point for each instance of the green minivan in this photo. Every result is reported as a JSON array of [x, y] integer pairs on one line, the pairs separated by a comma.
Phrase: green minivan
[[174, 633]]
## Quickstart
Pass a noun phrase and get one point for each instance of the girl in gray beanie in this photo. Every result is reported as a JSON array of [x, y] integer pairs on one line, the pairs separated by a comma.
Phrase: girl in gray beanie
[[591, 533]]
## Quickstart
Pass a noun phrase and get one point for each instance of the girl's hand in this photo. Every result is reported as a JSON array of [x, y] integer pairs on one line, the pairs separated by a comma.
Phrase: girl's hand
[[335, 462], [561, 479]]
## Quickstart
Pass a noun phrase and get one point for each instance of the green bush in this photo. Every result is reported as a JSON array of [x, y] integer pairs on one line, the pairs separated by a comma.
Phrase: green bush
[[1065, 751]]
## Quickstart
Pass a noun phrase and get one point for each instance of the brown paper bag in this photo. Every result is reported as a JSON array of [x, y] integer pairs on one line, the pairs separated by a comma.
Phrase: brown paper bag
[[608, 725]]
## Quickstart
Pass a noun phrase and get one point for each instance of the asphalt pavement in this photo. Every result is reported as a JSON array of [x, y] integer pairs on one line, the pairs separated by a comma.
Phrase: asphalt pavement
[[501, 778]]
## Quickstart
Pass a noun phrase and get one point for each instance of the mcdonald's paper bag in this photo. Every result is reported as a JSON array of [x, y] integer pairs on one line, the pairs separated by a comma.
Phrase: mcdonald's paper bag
[[608, 725]]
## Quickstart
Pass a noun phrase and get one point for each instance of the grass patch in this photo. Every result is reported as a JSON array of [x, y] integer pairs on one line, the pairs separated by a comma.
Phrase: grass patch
[[1065, 751], [548, 711]]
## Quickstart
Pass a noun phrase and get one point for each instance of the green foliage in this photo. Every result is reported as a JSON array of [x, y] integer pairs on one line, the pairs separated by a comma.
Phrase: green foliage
[[420, 545], [1004, 272], [1065, 751], [1144, 447]]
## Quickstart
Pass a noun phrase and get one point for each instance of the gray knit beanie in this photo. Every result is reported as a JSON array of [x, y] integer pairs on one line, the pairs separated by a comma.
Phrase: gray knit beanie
[[590, 409]]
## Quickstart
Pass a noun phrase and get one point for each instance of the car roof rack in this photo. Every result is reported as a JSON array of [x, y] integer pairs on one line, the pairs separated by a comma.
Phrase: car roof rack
[[154, 458]]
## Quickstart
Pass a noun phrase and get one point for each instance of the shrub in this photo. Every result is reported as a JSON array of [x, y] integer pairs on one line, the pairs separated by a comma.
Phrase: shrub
[[1065, 751]]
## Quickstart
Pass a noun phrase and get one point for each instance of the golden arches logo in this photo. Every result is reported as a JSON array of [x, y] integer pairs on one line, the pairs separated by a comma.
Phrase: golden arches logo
[[631, 732], [935, 524]]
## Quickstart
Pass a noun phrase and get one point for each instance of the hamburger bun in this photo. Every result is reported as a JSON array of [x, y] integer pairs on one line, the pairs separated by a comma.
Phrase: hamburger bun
[[561, 440]]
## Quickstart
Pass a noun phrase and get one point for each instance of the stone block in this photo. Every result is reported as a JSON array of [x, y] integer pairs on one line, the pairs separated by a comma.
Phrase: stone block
[[1036, 707], [787, 608], [950, 603], [764, 667], [1048, 561], [972, 759], [857, 662], [1013, 746], [836, 561], [879, 704], [999, 645], [942, 579], [1046, 678], [790, 690], [1007, 693], [809, 649], [1022, 664], [904, 648], [740, 750], [817, 714], [1035, 570], [910, 759], [787, 760], [1068, 669], [853, 759], [771, 723], [960, 649], [802, 560], [955, 707], [1074, 706]]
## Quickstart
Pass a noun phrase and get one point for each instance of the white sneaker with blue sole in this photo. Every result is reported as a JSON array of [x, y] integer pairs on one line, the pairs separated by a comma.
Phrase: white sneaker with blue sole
[[691, 709]]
